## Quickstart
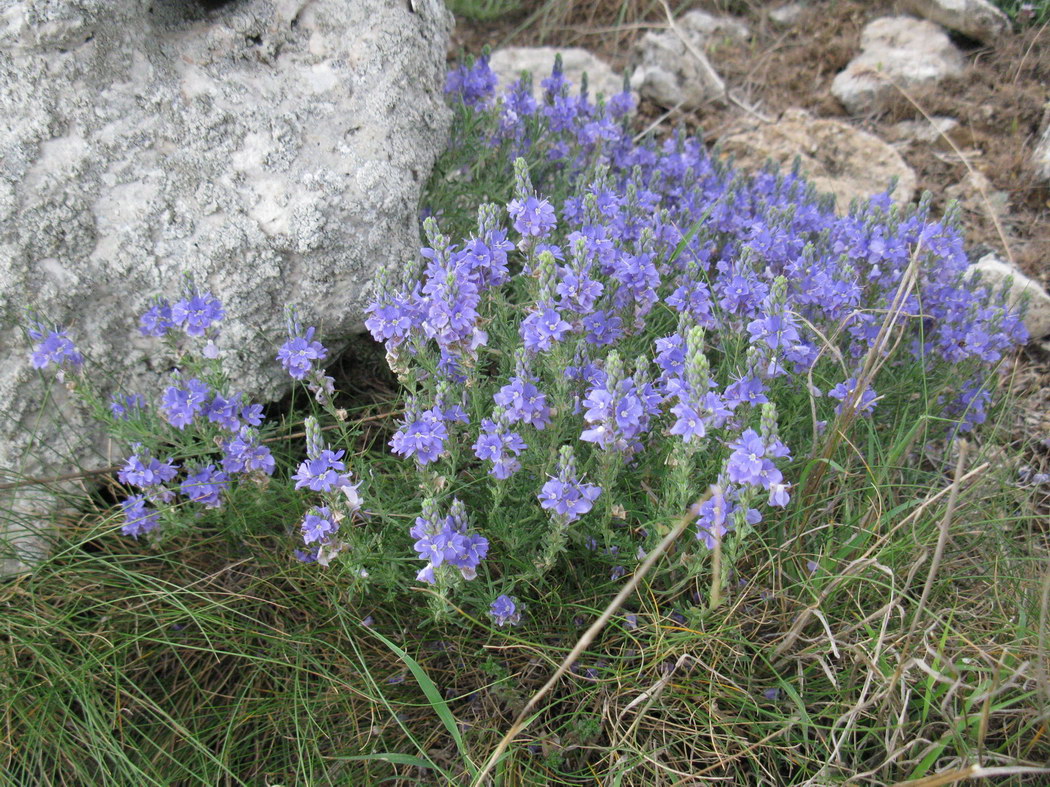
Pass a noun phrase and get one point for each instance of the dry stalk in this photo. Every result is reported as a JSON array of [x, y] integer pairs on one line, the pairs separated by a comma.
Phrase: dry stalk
[[942, 537], [957, 775], [584, 642]]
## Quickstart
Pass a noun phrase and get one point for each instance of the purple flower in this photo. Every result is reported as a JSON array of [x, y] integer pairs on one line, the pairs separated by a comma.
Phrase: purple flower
[[542, 329], [568, 499], [54, 347], [747, 390], [123, 405], [474, 84], [603, 328], [712, 521], [505, 611], [318, 525], [499, 445], [205, 486], [618, 410], [197, 313], [692, 420], [533, 217], [564, 494], [578, 291], [143, 470], [157, 320], [322, 473], [389, 323], [138, 517], [181, 405], [523, 401], [775, 330], [748, 463], [778, 495], [298, 354], [421, 436], [243, 454], [845, 391], [226, 412], [446, 540]]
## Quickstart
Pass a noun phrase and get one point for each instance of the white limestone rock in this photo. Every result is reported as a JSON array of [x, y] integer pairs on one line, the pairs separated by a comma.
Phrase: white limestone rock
[[898, 50], [976, 195], [704, 28], [976, 19], [275, 149], [671, 69], [509, 62], [787, 15], [835, 157], [1041, 156], [994, 273], [928, 132]]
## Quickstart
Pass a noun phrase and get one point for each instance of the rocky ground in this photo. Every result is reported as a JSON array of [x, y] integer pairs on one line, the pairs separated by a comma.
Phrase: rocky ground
[[961, 116]]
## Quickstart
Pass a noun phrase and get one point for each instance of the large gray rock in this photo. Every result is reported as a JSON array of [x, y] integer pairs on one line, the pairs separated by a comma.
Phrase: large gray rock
[[977, 19], [895, 51], [705, 29], [275, 149]]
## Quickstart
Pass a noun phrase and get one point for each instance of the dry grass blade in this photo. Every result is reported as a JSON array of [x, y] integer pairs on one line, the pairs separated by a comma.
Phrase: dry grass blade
[[972, 772], [942, 536], [584, 642]]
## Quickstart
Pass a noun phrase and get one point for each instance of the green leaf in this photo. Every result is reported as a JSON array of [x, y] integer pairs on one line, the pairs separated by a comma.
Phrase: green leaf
[[390, 756], [437, 702]]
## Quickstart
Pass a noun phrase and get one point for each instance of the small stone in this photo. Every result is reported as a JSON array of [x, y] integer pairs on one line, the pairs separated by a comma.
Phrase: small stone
[[787, 15], [509, 62], [930, 132], [671, 68], [703, 27], [994, 273], [976, 194], [1041, 156], [899, 51], [976, 19], [835, 157]]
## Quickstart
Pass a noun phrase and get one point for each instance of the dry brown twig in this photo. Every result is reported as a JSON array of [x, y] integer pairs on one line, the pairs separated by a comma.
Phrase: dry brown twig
[[584, 642]]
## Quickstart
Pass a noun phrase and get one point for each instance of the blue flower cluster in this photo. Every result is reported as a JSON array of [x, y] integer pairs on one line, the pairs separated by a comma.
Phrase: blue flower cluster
[[626, 307], [187, 401], [299, 356], [53, 348], [324, 471], [665, 294], [196, 315], [505, 611], [446, 541]]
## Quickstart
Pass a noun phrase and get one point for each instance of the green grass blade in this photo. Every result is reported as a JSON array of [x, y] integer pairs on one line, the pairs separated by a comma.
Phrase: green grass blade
[[437, 702], [391, 757]]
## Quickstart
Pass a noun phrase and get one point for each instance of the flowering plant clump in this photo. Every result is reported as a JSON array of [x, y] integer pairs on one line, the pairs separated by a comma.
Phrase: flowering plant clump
[[643, 312], [628, 329], [208, 442]]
